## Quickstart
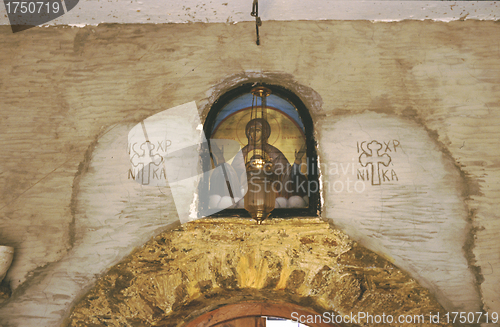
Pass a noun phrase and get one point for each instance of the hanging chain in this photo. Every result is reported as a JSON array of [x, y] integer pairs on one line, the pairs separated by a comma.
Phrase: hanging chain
[[258, 21]]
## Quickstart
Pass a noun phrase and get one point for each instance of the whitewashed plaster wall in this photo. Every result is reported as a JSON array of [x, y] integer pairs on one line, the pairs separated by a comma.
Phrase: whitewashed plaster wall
[[113, 215], [408, 205], [93, 12], [64, 88]]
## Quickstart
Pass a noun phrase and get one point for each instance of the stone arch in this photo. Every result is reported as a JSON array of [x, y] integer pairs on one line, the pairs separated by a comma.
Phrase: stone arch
[[209, 263]]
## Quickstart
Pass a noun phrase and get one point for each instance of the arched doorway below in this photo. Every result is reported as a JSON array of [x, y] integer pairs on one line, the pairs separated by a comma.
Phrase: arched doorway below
[[253, 314]]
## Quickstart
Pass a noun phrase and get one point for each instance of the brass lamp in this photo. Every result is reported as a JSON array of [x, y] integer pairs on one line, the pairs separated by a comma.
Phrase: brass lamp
[[260, 197]]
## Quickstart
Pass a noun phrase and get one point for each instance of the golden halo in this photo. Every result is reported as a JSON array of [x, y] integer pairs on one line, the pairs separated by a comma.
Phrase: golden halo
[[286, 135], [271, 119]]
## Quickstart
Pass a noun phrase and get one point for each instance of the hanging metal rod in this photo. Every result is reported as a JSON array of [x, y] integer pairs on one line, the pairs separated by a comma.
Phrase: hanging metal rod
[[258, 21]]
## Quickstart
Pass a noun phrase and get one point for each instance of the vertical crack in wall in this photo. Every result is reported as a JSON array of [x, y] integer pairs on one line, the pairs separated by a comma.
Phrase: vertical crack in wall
[[82, 169]]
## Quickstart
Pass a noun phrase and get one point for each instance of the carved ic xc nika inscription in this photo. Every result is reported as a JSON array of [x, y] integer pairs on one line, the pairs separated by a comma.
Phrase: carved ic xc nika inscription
[[373, 158], [146, 161]]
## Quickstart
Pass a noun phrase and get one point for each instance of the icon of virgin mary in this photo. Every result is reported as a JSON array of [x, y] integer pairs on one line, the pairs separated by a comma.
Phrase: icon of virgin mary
[[258, 131], [290, 187]]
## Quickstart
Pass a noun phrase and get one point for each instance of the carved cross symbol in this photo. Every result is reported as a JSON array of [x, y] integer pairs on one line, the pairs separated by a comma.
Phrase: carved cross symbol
[[146, 159], [374, 159]]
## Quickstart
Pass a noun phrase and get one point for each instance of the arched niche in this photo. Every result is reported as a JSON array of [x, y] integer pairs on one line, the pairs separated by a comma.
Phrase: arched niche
[[291, 128]]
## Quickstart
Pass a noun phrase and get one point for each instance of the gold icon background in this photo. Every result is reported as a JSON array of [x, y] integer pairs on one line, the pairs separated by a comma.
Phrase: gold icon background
[[286, 135]]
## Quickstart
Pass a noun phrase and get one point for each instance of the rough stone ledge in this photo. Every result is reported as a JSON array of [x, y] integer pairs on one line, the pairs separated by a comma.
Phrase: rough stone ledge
[[208, 263]]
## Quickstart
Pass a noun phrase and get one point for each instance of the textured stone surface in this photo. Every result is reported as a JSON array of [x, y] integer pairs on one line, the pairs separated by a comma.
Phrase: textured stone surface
[[212, 262]]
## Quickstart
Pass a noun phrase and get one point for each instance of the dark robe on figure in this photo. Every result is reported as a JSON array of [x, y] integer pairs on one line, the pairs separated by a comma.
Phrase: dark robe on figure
[[282, 168]]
